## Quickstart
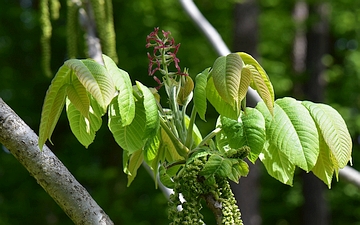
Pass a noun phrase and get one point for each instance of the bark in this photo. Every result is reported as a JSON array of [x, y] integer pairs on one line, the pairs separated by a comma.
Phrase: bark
[[312, 45], [48, 170], [245, 40]]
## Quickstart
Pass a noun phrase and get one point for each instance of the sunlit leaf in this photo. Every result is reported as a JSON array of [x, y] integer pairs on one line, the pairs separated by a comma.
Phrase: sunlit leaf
[[78, 96], [200, 93], [53, 104], [334, 131], [245, 81], [219, 104], [95, 78], [123, 84], [248, 59], [226, 73], [294, 132], [151, 111], [324, 167], [185, 93]]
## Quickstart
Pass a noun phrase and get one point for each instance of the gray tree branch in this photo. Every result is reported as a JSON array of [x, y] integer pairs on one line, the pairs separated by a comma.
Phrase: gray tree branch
[[48, 170], [220, 47]]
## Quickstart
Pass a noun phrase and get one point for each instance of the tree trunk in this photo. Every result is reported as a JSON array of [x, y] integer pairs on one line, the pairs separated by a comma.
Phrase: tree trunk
[[309, 48], [245, 40]]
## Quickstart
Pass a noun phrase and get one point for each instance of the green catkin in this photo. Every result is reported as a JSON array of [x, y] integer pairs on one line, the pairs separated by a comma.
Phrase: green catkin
[[72, 29], [104, 25], [194, 187], [55, 9], [45, 36]]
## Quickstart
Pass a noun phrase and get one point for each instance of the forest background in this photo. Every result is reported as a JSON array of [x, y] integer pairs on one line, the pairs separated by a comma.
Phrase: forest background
[[310, 50]]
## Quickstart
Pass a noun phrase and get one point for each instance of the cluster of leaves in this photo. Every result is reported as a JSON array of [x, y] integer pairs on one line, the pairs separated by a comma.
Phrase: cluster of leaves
[[284, 133]]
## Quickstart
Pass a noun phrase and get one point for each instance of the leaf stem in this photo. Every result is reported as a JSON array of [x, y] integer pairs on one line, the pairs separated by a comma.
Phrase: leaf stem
[[210, 136], [180, 147], [189, 140]]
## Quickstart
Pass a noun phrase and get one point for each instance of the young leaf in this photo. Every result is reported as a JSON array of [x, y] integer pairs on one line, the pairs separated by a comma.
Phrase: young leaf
[[293, 131], [53, 104], [84, 128], [123, 84], [151, 111], [200, 93], [168, 147], [259, 84], [94, 77], [130, 137], [239, 169], [219, 104], [245, 81], [249, 131], [151, 148], [248, 59], [78, 96], [165, 178], [334, 131], [135, 162], [226, 73], [277, 164], [325, 165], [217, 165]]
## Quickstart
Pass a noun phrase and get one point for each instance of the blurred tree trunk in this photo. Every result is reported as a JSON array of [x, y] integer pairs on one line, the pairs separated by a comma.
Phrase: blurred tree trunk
[[245, 40], [309, 47]]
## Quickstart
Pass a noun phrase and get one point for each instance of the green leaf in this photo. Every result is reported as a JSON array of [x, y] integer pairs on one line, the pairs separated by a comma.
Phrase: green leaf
[[294, 132], [135, 162], [277, 164], [151, 148], [200, 93], [334, 131], [261, 82], [245, 81], [151, 111], [94, 77], [226, 73], [217, 165], [324, 167], [78, 96], [84, 128], [165, 178], [249, 131], [168, 147], [53, 104], [123, 84], [239, 169], [129, 137], [219, 104]]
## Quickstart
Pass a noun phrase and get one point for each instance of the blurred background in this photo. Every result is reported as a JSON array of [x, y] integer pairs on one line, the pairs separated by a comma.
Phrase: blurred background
[[309, 48]]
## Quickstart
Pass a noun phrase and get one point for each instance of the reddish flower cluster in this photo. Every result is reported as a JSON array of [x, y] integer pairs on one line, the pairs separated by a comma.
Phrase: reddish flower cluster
[[163, 48]]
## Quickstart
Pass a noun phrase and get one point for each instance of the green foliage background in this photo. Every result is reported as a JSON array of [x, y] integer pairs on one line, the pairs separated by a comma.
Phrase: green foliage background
[[98, 168]]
